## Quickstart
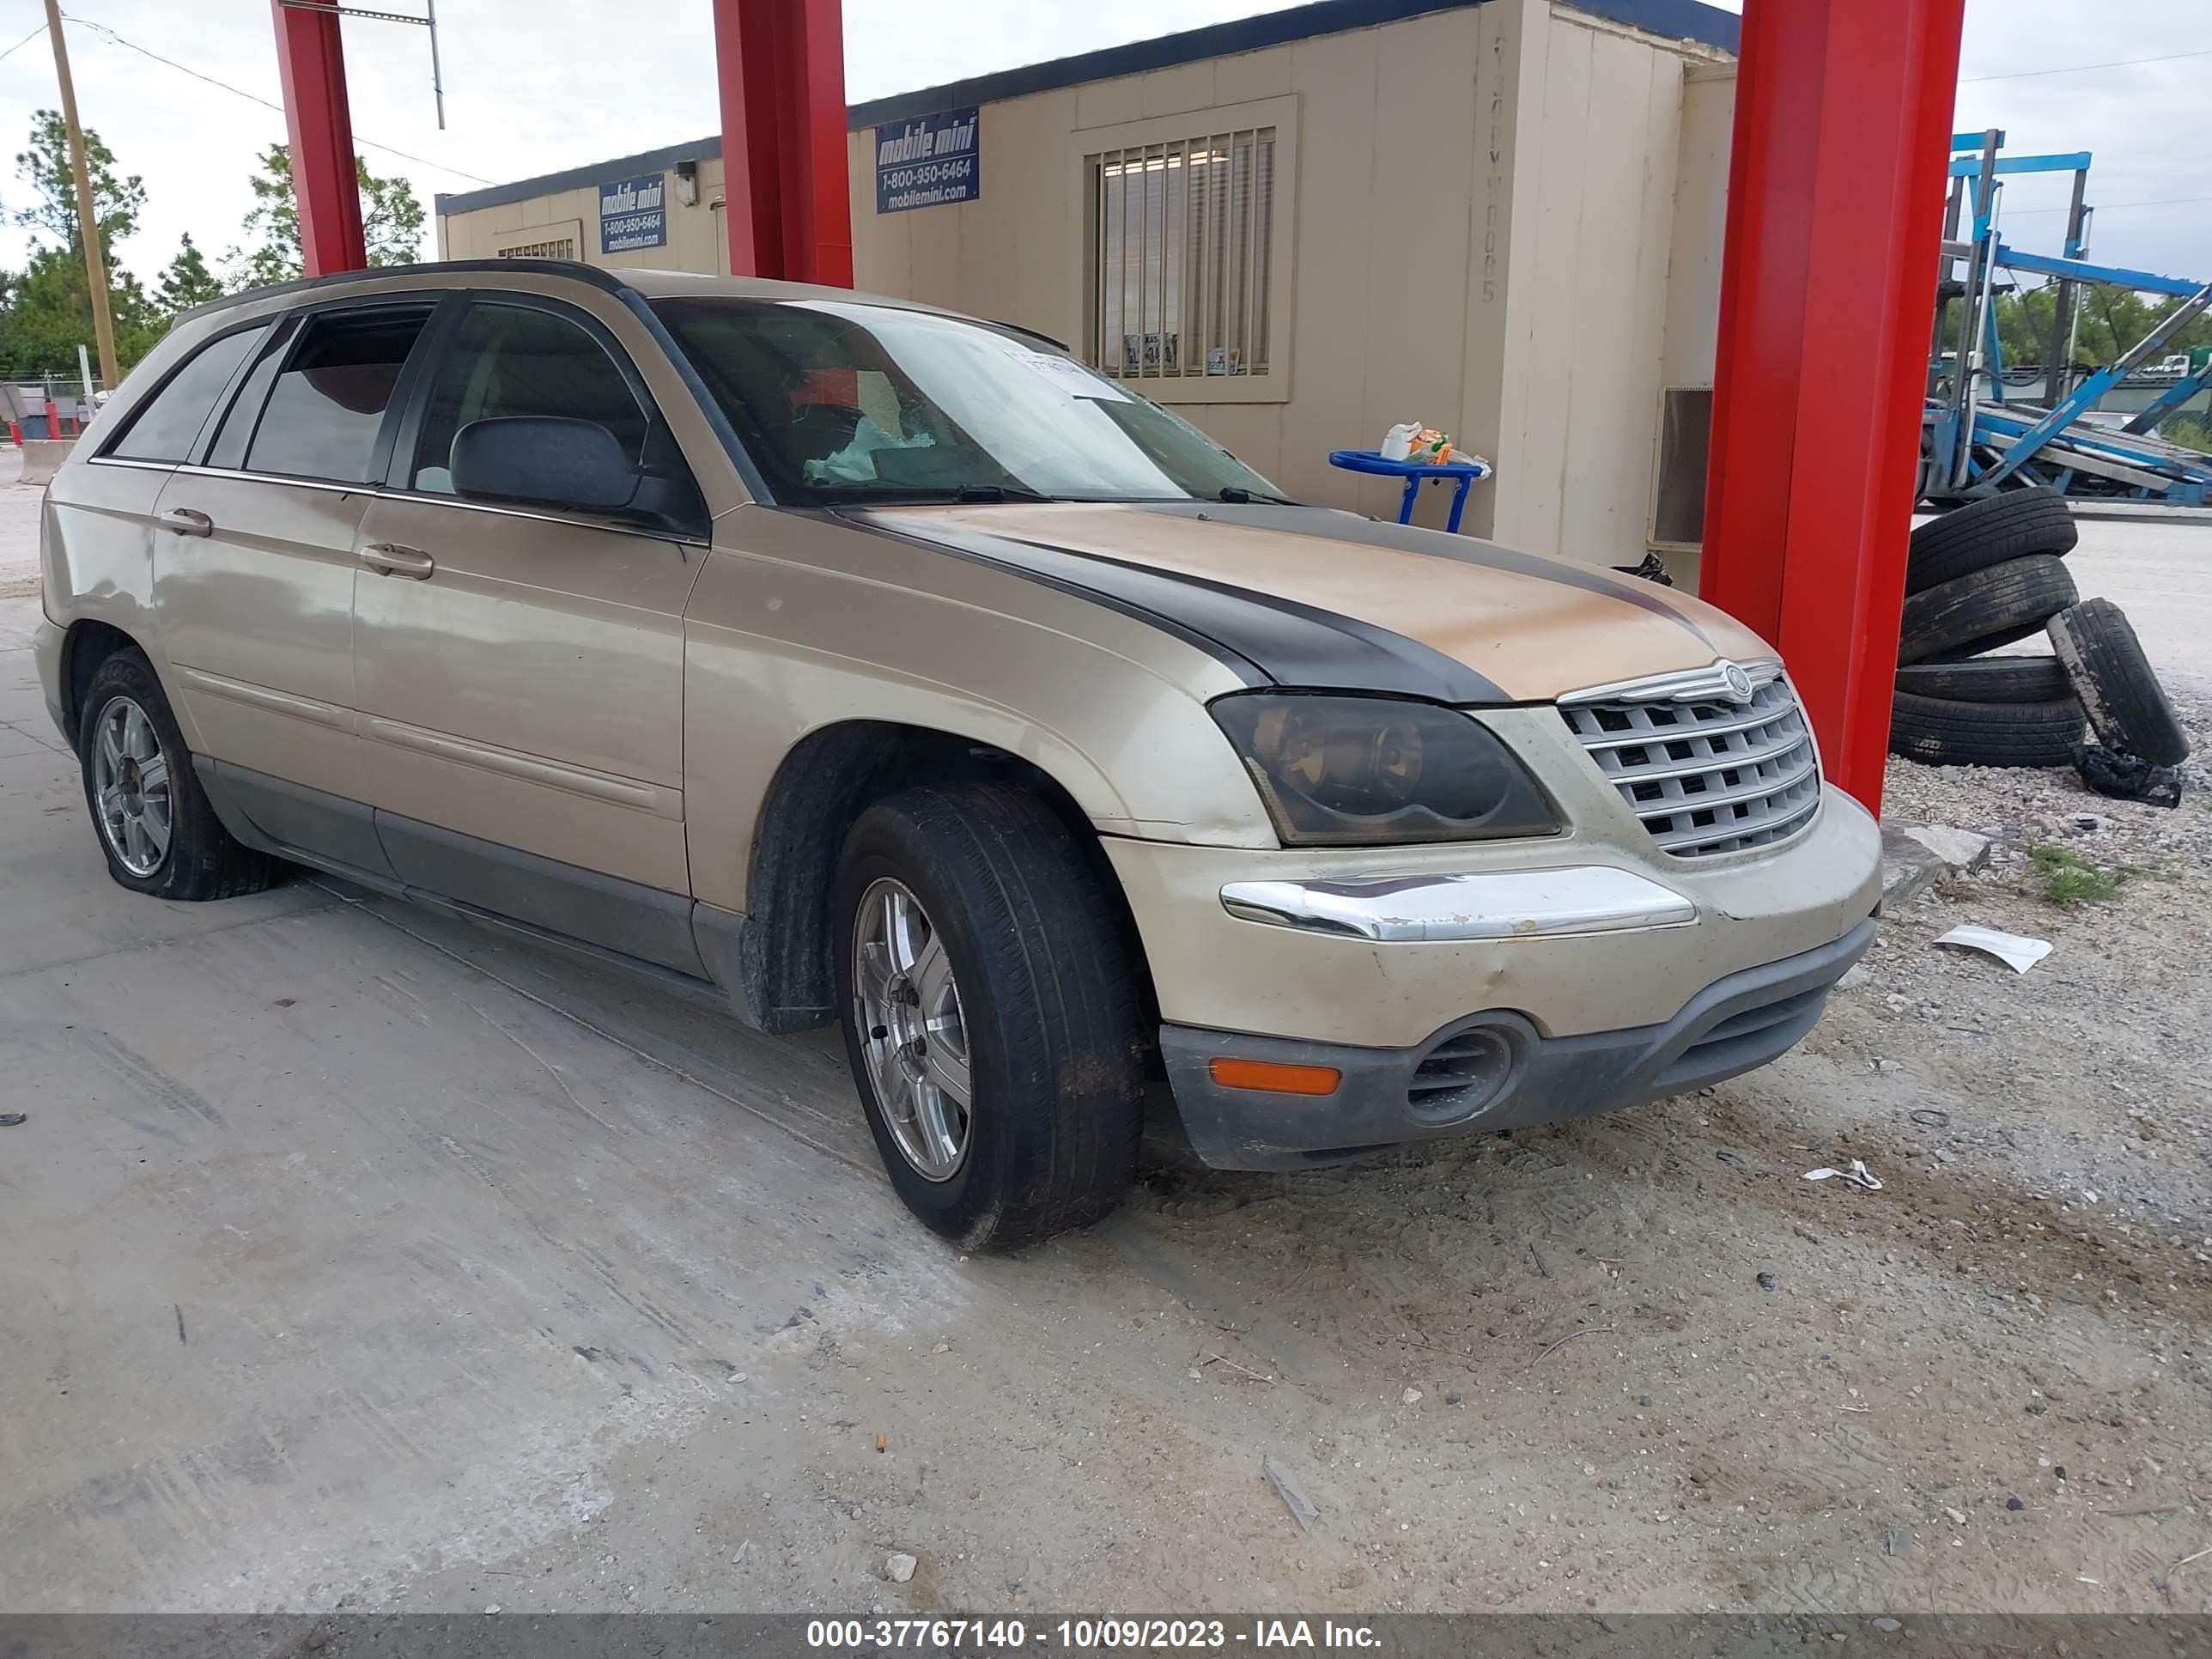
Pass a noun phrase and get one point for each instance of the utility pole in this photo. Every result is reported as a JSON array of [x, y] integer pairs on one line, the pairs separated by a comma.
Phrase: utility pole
[[88, 222]]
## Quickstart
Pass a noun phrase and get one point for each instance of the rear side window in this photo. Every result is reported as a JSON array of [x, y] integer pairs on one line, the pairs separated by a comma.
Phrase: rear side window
[[328, 401], [164, 430], [510, 359]]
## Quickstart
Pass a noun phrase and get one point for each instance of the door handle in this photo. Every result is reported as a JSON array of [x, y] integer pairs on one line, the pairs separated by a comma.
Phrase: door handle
[[188, 521], [391, 559]]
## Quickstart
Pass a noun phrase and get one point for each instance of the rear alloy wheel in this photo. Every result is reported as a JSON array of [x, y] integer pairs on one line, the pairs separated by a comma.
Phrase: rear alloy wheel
[[2126, 704], [990, 1013], [155, 824], [1970, 615], [1941, 731], [130, 793]]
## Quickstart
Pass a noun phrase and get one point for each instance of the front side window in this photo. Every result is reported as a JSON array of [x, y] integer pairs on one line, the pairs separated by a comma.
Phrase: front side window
[[328, 401], [509, 360], [164, 431], [846, 403]]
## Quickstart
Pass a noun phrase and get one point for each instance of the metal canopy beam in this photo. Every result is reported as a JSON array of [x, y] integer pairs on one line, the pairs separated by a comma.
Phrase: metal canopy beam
[[2074, 161], [1836, 190], [781, 67], [325, 181]]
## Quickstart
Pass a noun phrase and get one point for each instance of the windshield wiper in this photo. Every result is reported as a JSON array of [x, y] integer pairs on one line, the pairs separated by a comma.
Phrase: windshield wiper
[[1236, 497], [991, 492]]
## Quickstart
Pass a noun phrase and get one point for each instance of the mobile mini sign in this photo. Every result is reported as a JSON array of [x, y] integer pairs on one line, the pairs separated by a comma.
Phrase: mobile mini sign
[[634, 214], [928, 161]]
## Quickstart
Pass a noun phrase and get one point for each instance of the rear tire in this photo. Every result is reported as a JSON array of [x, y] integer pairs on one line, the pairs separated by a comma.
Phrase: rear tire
[[1941, 731], [1970, 615], [1989, 679], [160, 833], [1014, 970], [2127, 706], [1993, 529]]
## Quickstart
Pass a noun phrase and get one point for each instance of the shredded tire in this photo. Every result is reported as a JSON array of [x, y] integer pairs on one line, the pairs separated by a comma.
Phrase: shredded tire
[[1989, 679], [1991, 530], [2127, 707], [1943, 731], [1970, 615]]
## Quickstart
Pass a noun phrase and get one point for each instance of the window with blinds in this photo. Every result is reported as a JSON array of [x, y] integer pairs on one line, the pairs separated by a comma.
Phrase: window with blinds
[[1181, 280], [558, 239]]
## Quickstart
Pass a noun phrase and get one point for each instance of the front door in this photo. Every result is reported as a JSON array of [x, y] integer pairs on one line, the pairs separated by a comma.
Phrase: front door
[[521, 672], [254, 559]]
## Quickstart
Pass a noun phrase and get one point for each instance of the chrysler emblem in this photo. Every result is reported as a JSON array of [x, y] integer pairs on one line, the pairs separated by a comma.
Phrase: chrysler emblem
[[1738, 682]]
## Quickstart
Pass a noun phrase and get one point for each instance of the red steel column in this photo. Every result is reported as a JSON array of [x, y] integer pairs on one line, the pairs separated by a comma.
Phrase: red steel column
[[781, 67], [1843, 121], [311, 63]]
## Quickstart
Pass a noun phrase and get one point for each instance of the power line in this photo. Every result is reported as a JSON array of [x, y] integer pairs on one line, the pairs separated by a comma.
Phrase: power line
[[22, 42], [256, 98], [2107, 207], [2082, 69]]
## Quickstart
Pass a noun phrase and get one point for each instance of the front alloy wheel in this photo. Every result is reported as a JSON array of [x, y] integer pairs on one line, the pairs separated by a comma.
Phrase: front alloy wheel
[[906, 1006], [990, 1013]]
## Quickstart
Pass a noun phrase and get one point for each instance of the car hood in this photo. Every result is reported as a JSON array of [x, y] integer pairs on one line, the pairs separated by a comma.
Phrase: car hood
[[1319, 598]]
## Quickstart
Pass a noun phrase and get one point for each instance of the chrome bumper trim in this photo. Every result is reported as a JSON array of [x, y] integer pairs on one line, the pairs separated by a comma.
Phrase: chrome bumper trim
[[1590, 898]]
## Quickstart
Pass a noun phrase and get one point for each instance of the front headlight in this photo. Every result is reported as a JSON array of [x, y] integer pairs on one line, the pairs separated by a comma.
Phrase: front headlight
[[1374, 771]]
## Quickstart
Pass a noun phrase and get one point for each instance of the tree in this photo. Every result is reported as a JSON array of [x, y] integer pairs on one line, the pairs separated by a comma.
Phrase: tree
[[46, 310], [49, 314], [390, 222], [187, 282], [46, 167], [2112, 321]]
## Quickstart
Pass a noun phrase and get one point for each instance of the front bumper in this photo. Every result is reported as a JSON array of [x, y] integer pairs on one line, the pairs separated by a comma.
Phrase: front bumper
[[1578, 933], [1514, 1073]]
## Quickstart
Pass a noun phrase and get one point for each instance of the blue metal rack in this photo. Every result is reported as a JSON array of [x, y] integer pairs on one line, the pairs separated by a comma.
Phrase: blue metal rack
[[1975, 442]]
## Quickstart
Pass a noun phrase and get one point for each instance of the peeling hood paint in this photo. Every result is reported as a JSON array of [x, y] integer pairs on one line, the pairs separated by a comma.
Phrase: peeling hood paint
[[1533, 627]]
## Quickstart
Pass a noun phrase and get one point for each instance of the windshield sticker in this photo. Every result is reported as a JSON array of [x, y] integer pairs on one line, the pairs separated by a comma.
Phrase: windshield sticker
[[1072, 377]]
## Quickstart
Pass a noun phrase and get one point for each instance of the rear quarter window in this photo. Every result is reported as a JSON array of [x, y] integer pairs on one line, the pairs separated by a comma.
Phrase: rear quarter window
[[168, 423]]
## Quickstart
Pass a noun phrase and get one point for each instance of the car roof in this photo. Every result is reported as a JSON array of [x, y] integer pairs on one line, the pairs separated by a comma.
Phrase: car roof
[[471, 273]]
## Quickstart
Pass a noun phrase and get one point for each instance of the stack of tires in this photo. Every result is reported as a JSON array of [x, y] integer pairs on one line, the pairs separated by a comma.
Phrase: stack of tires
[[1986, 575]]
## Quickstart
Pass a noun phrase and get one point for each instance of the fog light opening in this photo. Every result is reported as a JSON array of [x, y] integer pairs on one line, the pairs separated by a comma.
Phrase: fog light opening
[[1463, 1074]]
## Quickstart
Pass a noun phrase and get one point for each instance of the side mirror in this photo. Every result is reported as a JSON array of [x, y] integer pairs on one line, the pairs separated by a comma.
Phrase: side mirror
[[543, 460]]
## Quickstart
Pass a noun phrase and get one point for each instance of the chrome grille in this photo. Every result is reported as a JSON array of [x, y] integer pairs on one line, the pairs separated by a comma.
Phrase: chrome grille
[[1706, 773]]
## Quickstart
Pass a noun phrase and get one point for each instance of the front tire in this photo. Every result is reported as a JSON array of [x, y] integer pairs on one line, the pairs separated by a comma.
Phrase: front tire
[[160, 833], [989, 1014]]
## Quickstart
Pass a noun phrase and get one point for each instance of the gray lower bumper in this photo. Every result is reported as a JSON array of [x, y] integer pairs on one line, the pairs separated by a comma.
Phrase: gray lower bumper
[[1517, 1076]]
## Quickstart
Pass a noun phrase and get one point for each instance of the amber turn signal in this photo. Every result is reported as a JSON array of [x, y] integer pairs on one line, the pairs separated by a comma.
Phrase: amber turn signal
[[1274, 1077]]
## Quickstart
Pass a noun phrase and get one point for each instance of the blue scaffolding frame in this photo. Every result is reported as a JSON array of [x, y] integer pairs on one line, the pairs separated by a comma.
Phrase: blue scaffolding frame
[[1975, 444]]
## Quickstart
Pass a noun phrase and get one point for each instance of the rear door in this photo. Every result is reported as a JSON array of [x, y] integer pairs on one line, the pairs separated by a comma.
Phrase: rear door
[[254, 559], [520, 672]]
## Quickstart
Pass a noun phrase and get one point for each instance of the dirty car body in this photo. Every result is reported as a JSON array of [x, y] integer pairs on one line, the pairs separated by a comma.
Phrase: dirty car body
[[880, 666]]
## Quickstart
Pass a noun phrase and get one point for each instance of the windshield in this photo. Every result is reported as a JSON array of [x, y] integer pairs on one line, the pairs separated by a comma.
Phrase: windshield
[[848, 404]]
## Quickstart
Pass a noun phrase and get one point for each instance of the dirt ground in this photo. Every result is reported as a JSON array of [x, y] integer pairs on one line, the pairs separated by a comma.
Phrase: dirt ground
[[351, 1258]]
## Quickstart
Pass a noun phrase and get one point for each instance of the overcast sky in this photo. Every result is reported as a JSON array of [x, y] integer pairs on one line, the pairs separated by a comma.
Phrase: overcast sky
[[532, 85]]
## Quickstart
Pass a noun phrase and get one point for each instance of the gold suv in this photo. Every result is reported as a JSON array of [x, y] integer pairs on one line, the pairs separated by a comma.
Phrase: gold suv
[[884, 665]]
